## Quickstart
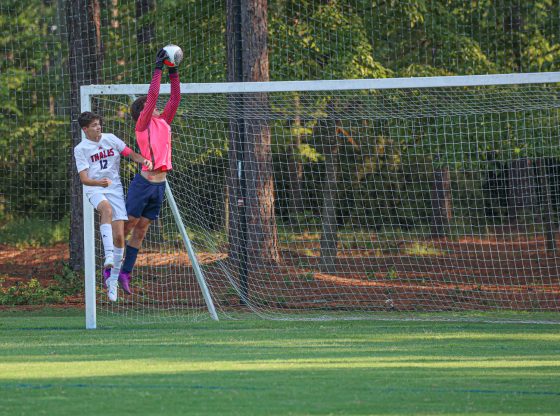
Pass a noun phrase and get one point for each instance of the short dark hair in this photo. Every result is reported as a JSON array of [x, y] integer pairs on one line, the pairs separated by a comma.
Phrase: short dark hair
[[137, 106], [87, 117]]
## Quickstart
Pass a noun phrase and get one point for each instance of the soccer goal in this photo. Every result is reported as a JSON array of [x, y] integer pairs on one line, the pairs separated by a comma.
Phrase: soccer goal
[[401, 197]]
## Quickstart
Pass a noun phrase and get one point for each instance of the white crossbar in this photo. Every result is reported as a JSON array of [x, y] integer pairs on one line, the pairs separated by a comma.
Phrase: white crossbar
[[332, 85]]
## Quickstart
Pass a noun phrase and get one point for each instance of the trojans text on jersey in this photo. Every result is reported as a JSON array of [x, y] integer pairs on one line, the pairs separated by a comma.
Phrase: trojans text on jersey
[[102, 155]]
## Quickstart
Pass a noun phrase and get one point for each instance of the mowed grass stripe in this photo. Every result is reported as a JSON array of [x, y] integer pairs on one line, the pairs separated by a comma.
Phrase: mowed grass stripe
[[66, 369]]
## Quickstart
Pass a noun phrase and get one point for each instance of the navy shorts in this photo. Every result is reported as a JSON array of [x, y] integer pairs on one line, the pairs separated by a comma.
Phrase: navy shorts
[[144, 198]]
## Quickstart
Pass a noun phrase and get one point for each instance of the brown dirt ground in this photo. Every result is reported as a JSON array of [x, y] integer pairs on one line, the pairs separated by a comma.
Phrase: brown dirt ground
[[42, 263], [513, 273]]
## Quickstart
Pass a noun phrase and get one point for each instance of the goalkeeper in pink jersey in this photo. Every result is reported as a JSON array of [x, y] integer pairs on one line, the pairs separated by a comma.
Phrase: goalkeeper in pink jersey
[[153, 134]]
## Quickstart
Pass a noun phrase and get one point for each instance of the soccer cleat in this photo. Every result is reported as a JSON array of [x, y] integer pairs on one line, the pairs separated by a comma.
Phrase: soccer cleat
[[124, 282], [106, 275], [112, 291]]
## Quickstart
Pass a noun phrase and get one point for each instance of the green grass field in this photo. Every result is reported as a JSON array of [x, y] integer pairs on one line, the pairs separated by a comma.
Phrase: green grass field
[[50, 365]]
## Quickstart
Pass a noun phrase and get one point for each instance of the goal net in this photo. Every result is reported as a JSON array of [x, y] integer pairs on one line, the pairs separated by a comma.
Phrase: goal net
[[349, 199]]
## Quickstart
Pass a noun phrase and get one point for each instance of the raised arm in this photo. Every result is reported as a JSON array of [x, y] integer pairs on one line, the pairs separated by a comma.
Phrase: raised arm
[[153, 93], [150, 106], [173, 103]]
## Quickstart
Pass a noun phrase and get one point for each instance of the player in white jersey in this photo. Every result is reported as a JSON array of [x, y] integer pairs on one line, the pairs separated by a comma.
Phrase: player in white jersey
[[98, 162]]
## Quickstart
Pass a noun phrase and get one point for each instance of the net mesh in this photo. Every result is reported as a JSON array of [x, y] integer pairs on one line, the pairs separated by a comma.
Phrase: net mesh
[[352, 203], [51, 48], [309, 39]]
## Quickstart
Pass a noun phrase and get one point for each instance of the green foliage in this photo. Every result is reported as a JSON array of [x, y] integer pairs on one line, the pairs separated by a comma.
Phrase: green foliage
[[308, 39], [33, 153], [30, 293], [69, 282], [33, 179], [34, 232], [305, 28], [423, 249], [392, 274], [307, 277]]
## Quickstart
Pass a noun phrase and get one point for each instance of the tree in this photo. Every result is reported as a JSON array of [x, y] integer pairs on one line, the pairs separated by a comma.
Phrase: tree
[[85, 62], [295, 167], [251, 195], [261, 225], [30, 136], [326, 130]]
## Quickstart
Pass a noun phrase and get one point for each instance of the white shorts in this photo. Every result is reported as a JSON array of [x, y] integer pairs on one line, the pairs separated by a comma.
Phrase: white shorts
[[116, 199]]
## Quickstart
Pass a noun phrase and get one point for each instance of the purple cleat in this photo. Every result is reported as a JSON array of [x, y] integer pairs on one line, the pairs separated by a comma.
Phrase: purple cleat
[[106, 275], [124, 282]]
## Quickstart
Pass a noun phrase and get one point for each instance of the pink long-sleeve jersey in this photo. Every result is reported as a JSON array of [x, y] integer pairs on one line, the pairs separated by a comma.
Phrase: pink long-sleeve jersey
[[153, 133]]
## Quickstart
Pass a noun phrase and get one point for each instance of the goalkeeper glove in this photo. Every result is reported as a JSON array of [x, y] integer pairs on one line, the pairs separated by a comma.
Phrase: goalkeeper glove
[[160, 57], [172, 70]]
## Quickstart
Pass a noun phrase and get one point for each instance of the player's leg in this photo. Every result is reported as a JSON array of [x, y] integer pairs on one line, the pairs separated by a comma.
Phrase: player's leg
[[153, 194], [118, 242], [118, 251], [100, 202], [136, 200], [106, 213], [119, 216], [139, 232], [129, 225], [133, 246]]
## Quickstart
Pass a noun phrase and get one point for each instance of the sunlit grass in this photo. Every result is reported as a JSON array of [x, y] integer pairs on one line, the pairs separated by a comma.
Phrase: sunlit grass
[[49, 364], [26, 370]]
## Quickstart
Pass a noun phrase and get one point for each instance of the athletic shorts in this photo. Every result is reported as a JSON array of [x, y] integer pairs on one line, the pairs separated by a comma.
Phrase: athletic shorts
[[116, 200], [144, 198]]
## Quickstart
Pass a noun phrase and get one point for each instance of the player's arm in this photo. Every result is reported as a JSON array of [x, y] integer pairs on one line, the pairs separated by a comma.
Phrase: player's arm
[[153, 93], [128, 152], [86, 180], [138, 158], [82, 166], [173, 103]]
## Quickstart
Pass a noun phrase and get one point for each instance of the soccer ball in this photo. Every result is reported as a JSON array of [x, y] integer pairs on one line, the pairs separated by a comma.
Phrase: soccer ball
[[175, 55]]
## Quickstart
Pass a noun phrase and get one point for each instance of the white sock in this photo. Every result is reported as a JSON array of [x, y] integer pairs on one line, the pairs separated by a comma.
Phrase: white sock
[[117, 258], [107, 238]]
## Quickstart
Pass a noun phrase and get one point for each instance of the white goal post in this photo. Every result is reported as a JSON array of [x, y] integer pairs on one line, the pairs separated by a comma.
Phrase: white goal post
[[89, 237], [357, 282]]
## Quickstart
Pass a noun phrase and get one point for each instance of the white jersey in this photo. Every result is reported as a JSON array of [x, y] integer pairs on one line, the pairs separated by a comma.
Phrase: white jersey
[[102, 160]]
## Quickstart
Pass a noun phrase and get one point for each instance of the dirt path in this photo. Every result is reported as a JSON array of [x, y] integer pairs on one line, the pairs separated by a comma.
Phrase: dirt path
[[41, 263]]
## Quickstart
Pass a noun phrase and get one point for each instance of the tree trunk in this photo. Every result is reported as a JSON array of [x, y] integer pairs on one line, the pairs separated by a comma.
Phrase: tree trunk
[[85, 63], [547, 215], [146, 31], [262, 242], [262, 245], [237, 228], [441, 202], [521, 191], [295, 168], [329, 236]]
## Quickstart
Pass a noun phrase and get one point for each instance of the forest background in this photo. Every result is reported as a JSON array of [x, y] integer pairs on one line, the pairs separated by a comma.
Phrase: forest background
[[51, 47]]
